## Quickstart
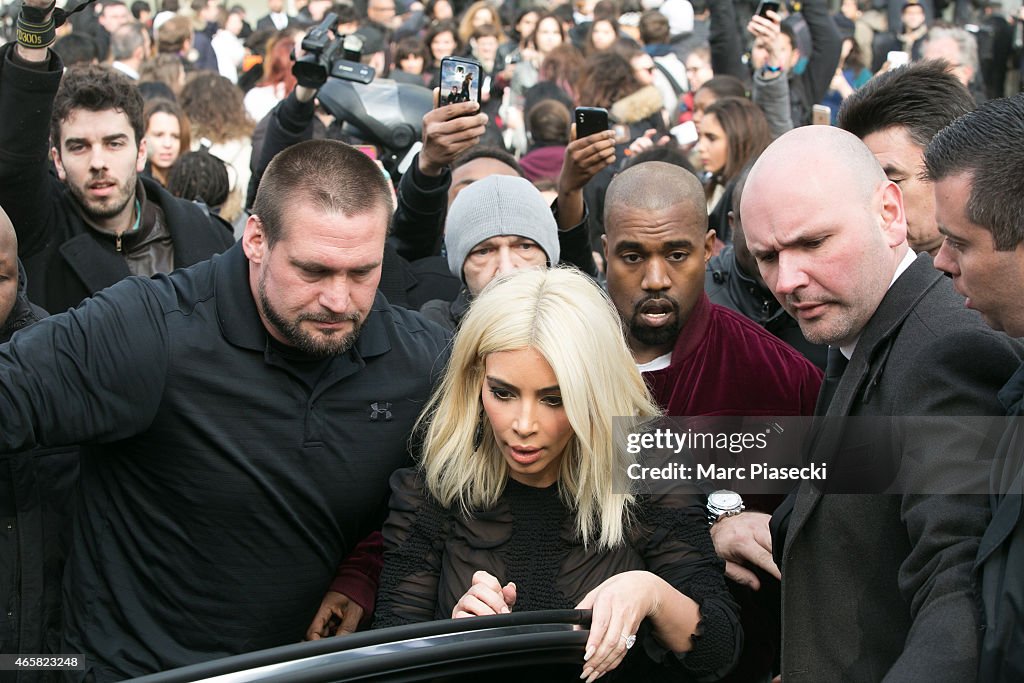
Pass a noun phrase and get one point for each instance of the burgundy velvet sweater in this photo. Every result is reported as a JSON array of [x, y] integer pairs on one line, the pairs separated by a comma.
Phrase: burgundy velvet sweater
[[723, 364]]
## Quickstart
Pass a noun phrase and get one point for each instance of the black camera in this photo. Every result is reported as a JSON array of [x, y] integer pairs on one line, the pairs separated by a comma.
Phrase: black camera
[[325, 57]]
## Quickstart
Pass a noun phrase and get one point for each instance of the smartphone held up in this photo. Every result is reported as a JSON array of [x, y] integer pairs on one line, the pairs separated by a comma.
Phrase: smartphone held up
[[460, 81], [767, 5], [590, 120]]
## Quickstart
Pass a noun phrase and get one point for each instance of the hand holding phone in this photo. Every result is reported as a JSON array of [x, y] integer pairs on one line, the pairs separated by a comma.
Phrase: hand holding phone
[[447, 132], [821, 115]]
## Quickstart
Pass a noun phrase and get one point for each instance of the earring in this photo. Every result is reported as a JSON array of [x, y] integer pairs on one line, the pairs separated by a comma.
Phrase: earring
[[478, 435]]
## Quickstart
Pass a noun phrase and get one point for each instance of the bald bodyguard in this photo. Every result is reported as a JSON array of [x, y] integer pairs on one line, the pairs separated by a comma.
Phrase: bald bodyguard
[[894, 570]]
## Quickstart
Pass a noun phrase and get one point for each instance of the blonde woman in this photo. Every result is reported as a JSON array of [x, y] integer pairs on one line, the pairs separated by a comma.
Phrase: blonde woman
[[513, 505]]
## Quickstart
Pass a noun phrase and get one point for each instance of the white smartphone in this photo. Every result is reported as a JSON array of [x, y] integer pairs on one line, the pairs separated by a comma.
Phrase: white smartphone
[[685, 133], [897, 58]]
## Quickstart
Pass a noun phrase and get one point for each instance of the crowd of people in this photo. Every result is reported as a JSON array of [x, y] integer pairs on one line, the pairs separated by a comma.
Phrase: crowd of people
[[259, 384]]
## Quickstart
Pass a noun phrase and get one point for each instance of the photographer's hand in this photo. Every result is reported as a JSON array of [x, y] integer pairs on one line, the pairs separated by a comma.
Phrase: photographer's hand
[[41, 54], [448, 132]]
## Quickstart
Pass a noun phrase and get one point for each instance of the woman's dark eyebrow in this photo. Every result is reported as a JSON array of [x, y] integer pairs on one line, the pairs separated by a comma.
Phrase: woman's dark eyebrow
[[506, 385]]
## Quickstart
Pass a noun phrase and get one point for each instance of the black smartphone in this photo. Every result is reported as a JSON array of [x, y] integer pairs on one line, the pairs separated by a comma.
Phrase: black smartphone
[[460, 81], [765, 5], [590, 120]]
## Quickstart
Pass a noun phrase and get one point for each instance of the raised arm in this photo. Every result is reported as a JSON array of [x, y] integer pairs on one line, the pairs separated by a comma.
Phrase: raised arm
[[28, 191], [725, 40], [826, 47], [92, 374], [423, 191]]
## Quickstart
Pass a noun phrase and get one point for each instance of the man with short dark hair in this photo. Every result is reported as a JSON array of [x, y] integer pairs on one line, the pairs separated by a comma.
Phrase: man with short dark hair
[[896, 114], [77, 49], [699, 358], [241, 420], [383, 13], [114, 15], [975, 165], [100, 222]]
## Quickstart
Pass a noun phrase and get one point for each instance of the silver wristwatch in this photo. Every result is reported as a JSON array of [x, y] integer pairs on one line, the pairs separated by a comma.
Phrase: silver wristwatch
[[723, 504]]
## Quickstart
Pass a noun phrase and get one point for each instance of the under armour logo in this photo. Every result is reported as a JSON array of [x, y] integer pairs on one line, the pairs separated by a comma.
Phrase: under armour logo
[[380, 409]]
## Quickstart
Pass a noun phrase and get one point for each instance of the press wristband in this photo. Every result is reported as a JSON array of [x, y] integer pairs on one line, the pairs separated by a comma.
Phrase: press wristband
[[36, 27]]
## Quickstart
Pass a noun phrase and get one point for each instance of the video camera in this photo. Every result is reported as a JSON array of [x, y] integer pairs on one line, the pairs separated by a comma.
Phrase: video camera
[[381, 112], [336, 57]]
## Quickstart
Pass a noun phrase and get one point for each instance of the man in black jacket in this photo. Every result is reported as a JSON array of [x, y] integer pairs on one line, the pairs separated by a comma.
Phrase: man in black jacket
[[897, 578], [975, 164], [99, 222], [36, 502], [240, 420]]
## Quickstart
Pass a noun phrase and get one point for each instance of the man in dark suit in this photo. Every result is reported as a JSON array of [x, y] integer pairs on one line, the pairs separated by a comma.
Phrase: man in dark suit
[[276, 18], [893, 570], [975, 164]]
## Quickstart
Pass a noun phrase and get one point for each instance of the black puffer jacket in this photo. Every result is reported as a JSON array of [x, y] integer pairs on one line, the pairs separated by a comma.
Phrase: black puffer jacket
[[36, 506]]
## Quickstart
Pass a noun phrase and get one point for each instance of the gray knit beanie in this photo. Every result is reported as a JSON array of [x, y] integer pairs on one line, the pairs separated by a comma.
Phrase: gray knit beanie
[[498, 205]]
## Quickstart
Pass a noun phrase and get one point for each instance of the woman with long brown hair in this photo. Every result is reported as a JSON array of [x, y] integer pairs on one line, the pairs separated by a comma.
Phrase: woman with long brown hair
[[214, 105], [733, 132], [167, 136]]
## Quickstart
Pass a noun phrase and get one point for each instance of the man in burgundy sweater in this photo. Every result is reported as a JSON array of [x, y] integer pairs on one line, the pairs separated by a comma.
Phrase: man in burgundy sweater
[[699, 358]]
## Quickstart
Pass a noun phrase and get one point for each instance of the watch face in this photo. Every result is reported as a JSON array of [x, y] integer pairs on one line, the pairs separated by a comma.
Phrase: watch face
[[725, 500]]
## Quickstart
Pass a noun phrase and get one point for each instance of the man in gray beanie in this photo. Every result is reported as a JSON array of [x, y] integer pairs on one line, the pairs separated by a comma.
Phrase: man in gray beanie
[[495, 226]]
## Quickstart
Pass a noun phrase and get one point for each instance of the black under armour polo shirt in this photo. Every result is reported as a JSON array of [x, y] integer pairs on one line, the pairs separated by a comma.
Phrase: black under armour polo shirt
[[220, 486]]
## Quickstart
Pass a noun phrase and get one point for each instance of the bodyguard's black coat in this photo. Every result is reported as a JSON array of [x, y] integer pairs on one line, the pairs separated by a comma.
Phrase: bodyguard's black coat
[[36, 507], [999, 569]]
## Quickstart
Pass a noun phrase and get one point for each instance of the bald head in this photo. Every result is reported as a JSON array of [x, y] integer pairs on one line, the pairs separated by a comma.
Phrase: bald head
[[827, 229], [654, 186], [8, 238], [817, 157], [8, 267], [656, 245]]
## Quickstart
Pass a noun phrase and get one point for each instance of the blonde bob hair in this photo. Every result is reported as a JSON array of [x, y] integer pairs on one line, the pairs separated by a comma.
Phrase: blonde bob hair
[[571, 322]]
